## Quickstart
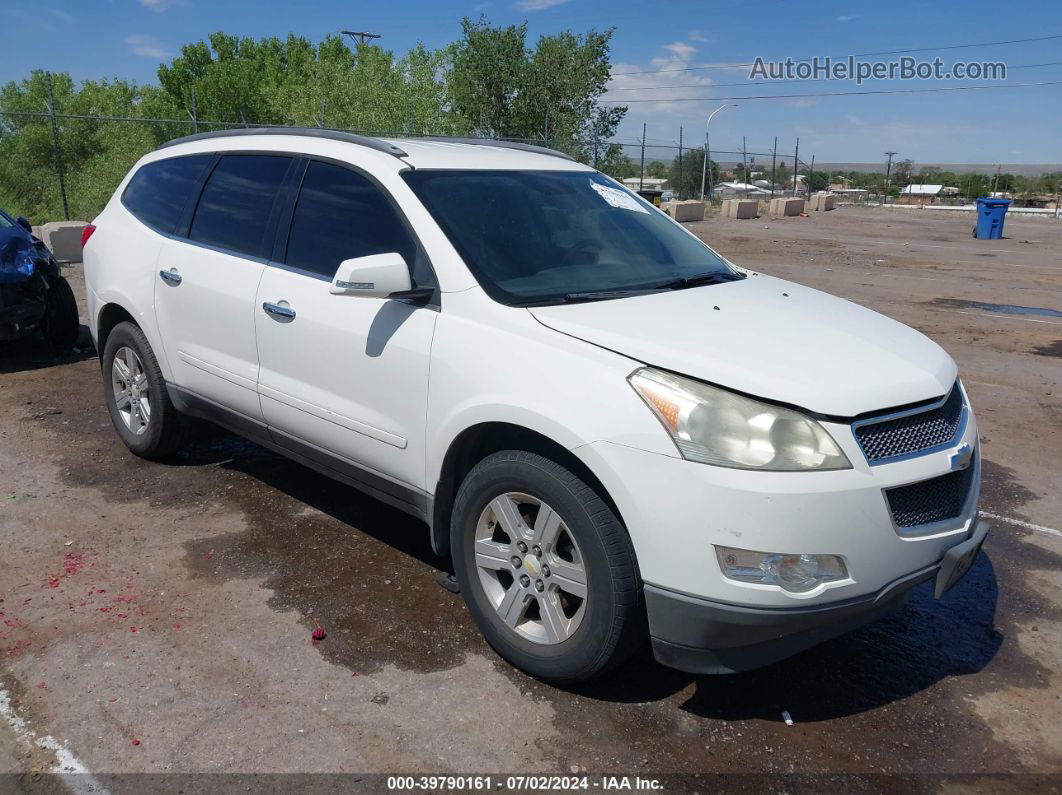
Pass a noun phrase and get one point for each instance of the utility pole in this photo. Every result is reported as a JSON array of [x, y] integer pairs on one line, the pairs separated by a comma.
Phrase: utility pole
[[796, 152], [678, 193], [774, 163], [58, 147], [744, 169], [888, 174], [360, 36], [995, 180], [811, 175], [194, 113], [641, 176]]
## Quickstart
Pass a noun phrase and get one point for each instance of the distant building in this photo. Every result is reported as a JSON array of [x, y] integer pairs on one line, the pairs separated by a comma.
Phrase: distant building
[[851, 194], [647, 183], [739, 190], [920, 194]]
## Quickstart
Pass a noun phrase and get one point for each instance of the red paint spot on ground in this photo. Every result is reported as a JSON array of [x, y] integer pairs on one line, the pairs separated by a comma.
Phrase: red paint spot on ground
[[73, 562], [53, 582], [136, 742], [41, 685], [176, 626], [132, 629]]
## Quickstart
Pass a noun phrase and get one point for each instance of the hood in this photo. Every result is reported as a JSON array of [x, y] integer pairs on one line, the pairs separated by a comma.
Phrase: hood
[[771, 339]]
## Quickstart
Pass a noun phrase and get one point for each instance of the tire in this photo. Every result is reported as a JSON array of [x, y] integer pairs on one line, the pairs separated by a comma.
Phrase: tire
[[148, 423], [61, 324], [553, 634]]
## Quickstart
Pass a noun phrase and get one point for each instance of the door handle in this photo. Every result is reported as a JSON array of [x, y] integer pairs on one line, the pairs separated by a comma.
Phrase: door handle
[[171, 276], [280, 311]]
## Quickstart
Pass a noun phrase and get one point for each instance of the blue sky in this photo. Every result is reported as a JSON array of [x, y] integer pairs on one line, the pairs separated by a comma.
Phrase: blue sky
[[128, 38]]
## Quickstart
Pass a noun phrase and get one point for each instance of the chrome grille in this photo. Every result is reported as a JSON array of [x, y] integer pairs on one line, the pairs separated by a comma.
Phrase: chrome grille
[[890, 438], [933, 500]]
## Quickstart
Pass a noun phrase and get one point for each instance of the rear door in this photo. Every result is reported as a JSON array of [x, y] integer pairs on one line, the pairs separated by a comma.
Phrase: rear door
[[208, 274], [346, 374]]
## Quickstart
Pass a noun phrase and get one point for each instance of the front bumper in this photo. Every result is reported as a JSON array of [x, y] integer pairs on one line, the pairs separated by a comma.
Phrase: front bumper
[[706, 637]]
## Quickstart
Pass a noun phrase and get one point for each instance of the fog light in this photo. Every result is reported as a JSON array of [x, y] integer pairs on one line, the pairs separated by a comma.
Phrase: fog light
[[796, 573]]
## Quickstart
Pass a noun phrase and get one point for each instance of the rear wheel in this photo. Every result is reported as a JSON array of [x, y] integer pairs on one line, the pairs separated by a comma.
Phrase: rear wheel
[[546, 568], [136, 397]]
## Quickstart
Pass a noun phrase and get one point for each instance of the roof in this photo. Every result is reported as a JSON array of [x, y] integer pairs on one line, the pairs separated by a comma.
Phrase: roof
[[645, 180], [740, 186], [467, 153], [922, 190]]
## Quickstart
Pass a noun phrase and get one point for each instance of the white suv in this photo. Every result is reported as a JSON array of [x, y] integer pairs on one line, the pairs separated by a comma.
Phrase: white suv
[[613, 431]]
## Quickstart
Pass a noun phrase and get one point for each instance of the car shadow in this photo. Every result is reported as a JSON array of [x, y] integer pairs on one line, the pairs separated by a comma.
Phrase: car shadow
[[33, 353], [404, 533]]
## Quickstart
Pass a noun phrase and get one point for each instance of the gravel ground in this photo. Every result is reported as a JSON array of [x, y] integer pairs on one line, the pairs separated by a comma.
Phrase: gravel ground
[[156, 617]]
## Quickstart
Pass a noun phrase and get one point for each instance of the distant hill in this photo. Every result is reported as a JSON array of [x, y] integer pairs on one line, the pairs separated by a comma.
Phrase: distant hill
[[1021, 169]]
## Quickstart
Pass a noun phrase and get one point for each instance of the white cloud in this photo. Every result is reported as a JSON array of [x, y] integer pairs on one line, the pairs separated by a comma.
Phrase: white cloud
[[158, 6], [699, 35], [682, 50], [658, 84], [842, 18], [530, 5], [62, 16], [148, 46]]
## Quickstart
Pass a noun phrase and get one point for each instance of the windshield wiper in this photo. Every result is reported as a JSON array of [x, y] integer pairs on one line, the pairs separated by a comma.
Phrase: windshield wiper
[[711, 277], [597, 295]]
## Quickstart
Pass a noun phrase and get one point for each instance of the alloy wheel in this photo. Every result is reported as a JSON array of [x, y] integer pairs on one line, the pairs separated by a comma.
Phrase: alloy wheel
[[132, 392], [531, 568]]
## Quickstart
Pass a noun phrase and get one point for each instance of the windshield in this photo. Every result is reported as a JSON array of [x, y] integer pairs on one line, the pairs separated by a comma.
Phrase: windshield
[[537, 237]]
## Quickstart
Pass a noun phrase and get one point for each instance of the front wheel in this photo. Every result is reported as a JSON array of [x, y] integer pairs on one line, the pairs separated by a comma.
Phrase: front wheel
[[546, 568]]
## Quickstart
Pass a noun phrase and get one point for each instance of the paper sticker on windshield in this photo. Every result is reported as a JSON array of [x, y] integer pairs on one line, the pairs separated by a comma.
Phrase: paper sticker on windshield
[[618, 198]]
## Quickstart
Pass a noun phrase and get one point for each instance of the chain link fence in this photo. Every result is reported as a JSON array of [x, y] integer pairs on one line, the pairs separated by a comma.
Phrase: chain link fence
[[672, 168]]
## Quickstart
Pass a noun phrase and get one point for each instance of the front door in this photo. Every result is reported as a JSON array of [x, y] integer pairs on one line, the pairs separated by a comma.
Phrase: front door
[[346, 374]]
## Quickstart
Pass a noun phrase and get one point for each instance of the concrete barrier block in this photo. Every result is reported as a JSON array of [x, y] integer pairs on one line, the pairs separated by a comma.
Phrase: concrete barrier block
[[784, 206], [685, 211], [744, 208], [64, 239]]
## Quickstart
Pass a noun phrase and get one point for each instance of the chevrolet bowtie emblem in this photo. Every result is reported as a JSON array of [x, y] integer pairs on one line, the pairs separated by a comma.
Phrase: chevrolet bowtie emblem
[[962, 457]]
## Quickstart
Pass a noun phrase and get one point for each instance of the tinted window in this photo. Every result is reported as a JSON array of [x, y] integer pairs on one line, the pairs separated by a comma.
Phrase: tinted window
[[341, 214], [549, 236], [236, 203], [158, 193]]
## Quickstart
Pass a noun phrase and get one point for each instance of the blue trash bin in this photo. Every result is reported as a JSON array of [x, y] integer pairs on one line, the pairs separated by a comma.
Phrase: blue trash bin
[[990, 215]]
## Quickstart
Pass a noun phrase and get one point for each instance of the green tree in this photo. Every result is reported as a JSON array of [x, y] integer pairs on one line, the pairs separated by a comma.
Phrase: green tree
[[686, 181], [503, 89]]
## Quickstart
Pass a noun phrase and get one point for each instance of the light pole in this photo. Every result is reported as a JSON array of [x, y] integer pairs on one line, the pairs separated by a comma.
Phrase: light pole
[[707, 151]]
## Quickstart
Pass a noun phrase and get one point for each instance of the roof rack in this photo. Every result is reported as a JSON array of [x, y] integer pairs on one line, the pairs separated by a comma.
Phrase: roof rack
[[362, 140], [312, 132], [497, 143]]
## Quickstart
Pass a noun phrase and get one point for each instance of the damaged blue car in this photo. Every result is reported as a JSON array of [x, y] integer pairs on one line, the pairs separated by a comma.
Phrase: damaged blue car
[[34, 296]]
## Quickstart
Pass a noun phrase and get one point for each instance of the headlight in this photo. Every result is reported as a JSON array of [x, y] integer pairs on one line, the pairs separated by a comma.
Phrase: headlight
[[795, 573], [713, 426]]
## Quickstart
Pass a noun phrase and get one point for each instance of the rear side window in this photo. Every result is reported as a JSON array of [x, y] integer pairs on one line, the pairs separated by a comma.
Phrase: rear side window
[[237, 201], [159, 192], [341, 214]]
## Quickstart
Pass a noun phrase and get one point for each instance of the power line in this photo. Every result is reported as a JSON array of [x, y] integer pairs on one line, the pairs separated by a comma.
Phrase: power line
[[841, 93], [854, 55], [795, 80]]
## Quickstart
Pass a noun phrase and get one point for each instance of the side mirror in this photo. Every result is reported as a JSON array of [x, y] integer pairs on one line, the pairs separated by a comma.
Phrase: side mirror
[[23, 221], [377, 276]]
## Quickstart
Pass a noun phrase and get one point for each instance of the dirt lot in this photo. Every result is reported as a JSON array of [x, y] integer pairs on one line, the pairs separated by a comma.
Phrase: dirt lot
[[156, 617]]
